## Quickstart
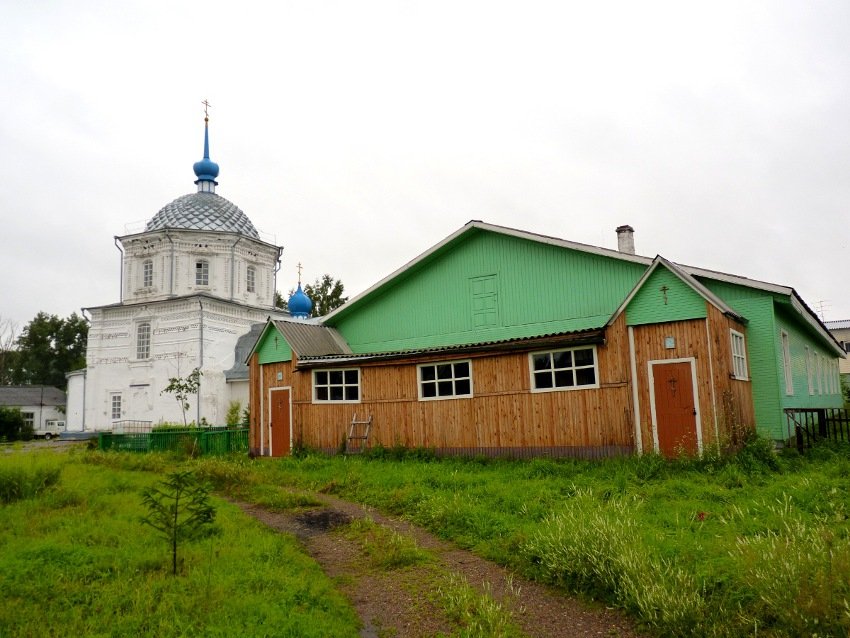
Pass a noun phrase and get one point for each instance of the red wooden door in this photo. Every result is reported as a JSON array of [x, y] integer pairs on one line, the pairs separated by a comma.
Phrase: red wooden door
[[279, 424], [675, 408]]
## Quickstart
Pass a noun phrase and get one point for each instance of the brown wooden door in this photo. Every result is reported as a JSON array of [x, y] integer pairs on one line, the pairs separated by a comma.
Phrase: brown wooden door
[[279, 424], [675, 408]]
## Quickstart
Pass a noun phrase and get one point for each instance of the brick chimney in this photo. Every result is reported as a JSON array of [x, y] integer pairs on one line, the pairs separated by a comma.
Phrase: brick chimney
[[626, 239]]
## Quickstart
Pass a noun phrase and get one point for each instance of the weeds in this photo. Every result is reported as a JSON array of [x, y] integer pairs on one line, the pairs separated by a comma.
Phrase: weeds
[[27, 476], [386, 548], [479, 614], [595, 546]]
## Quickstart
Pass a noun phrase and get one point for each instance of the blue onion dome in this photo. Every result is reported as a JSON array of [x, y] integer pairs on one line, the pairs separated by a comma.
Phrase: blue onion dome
[[300, 304], [204, 210], [206, 170]]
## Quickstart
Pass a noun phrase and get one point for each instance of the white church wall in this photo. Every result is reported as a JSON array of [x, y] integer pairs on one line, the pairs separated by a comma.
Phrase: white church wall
[[184, 333], [228, 255], [75, 401]]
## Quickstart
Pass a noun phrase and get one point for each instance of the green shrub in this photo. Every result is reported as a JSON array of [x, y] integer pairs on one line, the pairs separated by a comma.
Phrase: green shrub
[[11, 424], [234, 411]]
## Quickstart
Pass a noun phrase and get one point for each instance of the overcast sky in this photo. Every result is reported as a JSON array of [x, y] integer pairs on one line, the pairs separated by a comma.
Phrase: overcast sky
[[357, 134]]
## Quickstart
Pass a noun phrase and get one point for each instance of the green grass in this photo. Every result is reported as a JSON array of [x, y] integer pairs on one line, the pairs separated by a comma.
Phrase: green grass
[[750, 545], [25, 476], [76, 560], [754, 545]]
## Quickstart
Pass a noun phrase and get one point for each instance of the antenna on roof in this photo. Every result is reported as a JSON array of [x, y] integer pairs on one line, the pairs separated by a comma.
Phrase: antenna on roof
[[820, 308]]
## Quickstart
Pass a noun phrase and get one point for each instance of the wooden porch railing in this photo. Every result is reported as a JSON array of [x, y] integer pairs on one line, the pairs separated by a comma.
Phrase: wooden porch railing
[[808, 425]]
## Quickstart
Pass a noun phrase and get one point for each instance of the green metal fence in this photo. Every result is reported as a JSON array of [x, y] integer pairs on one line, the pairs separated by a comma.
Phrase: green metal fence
[[215, 441]]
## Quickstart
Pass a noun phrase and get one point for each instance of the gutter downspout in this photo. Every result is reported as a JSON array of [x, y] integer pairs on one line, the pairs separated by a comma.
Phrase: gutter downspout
[[233, 266], [121, 288], [276, 269], [201, 355], [85, 374], [171, 268], [85, 379]]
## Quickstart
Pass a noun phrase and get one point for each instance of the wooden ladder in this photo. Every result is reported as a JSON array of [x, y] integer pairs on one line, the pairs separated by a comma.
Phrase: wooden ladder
[[358, 431]]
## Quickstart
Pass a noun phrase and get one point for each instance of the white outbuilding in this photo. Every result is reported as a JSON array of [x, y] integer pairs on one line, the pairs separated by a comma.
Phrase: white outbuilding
[[192, 282]]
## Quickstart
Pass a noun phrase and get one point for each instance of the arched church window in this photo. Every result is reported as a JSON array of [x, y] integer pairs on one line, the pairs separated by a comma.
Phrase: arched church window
[[202, 272], [147, 273], [143, 340], [251, 277]]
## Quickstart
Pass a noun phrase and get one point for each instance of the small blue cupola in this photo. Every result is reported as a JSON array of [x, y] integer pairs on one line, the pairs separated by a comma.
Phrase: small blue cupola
[[206, 170], [300, 304]]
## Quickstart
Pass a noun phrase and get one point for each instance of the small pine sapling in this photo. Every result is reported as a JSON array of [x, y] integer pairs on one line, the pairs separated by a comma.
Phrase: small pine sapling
[[179, 509]]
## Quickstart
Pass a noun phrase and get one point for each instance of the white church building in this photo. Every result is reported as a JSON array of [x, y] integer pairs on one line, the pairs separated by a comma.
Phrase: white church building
[[195, 280]]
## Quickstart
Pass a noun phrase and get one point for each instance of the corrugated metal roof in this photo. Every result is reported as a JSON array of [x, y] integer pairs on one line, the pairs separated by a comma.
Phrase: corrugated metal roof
[[590, 335], [840, 324], [312, 340], [26, 395]]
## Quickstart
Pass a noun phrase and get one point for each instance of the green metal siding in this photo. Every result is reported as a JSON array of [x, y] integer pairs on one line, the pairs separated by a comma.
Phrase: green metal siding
[[664, 297], [767, 319], [799, 340], [540, 289], [273, 348]]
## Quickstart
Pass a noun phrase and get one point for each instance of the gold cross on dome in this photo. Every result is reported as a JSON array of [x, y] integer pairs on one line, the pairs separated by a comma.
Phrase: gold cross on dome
[[299, 272], [207, 105]]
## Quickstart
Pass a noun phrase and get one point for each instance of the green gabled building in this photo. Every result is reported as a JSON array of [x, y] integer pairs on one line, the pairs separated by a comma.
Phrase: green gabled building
[[501, 341]]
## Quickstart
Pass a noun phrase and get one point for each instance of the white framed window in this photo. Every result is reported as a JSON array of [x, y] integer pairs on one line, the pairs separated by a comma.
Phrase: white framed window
[[202, 272], [336, 386], [251, 279], [820, 373], [739, 355], [143, 340], [115, 405], [445, 380], [566, 369], [29, 419], [147, 273], [786, 363], [810, 371]]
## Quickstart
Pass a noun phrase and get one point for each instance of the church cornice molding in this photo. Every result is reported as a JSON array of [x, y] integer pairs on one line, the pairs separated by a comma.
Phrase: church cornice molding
[[181, 235], [194, 297]]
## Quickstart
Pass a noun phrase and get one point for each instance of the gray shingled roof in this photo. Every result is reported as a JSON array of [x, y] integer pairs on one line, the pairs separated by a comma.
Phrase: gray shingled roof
[[312, 340], [203, 211], [239, 371], [25, 395]]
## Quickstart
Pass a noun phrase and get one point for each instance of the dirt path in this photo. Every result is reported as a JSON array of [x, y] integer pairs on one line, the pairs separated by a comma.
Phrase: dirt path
[[401, 604]]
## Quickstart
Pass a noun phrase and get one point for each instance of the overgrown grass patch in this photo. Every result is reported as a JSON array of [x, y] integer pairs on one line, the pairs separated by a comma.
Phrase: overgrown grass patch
[[89, 567], [478, 614], [691, 546], [386, 548], [27, 475]]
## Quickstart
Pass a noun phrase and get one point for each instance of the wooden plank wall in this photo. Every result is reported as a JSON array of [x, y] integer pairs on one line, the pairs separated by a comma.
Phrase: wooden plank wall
[[503, 417], [726, 405], [735, 408]]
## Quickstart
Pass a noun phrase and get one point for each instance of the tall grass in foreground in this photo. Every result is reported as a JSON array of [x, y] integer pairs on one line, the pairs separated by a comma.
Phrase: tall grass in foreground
[[596, 547], [25, 475], [754, 544]]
